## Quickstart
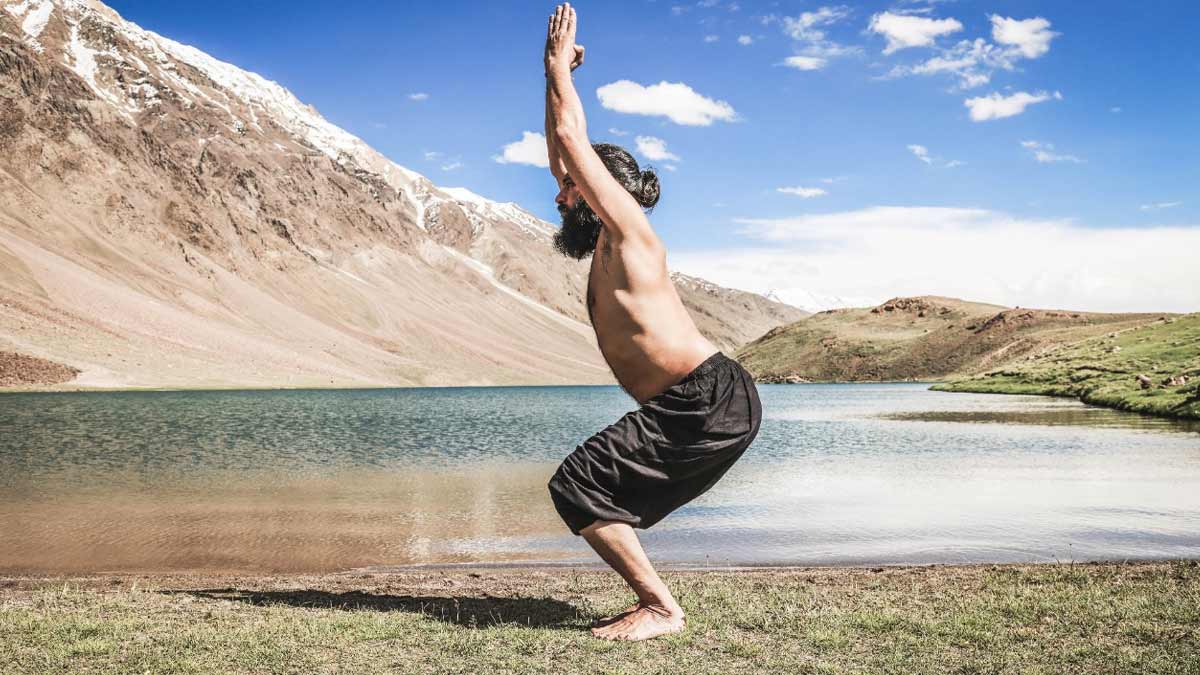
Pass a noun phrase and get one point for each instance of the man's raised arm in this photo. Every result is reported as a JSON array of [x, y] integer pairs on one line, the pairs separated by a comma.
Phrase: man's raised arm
[[567, 140]]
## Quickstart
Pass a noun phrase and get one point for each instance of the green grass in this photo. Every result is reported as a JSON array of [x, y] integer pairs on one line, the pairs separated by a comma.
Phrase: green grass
[[1108, 618], [1103, 371]]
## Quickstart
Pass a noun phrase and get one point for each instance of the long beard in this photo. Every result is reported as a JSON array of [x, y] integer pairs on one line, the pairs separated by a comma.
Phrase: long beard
[[579, 232]]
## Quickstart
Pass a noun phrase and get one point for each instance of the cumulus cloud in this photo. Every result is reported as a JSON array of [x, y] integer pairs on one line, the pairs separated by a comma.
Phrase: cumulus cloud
[[745, 40], [905, 30], [803, 192], [873, 254], [1044, 153], [996, 106], [617, 132], [712, 38], [531, 150], [1030, 36], [674, 100], [974, 61], [805, 62], [418, 96], [654, 149]]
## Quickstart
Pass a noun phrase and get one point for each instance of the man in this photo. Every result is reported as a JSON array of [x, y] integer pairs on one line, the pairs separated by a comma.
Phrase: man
[[699, 409]]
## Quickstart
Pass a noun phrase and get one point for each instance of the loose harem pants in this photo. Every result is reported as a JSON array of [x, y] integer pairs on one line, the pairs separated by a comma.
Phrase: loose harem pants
[[666, 453]]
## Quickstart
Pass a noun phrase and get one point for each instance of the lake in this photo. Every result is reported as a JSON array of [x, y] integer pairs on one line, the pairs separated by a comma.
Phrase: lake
[[329, 480]]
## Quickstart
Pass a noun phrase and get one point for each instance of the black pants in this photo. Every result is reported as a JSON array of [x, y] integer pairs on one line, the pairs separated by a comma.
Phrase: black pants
[[666, 453]]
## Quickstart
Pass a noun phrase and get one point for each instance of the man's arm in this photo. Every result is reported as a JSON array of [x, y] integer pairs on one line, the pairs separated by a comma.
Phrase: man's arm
[[567, 126], [556, 164]]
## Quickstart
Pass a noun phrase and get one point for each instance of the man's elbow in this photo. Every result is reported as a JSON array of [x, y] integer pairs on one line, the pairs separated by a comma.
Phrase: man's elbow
[[569, 136]]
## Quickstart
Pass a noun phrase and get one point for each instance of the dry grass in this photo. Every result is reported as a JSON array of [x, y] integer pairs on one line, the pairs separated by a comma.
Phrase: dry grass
[[1101, 618]]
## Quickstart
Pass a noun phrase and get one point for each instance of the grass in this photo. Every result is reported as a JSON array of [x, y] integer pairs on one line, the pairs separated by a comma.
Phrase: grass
[[1095, 618], [1104, 370]]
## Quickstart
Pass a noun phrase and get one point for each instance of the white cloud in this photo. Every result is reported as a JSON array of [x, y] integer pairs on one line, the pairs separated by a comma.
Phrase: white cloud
[[921, 152], [1160, 205], [1115, 109], [451, 166], [804, 62], [712, 38], [418, 96], [617, 132], [995, 106], [903, 31], [531, 150], [674, 100], [745, 40], [803, 192], [806, 27], [877, 253], [655, 149], [1031, 36], [432, 155], [1044, 153], [974, 61]]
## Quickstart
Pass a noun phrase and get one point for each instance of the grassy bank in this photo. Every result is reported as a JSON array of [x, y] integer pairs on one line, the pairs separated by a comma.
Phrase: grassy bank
[[1104, 371], [1105, 618]]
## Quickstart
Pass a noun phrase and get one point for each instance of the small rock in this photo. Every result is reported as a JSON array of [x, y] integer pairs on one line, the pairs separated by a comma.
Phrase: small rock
[[1145, 381]]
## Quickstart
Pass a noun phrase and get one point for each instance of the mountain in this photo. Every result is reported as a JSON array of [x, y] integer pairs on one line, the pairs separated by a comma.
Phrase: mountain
[[170, 220], [919, 338]]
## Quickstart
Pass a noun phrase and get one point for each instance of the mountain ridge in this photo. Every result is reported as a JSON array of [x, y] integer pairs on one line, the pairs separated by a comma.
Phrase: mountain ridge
[[169, 220]]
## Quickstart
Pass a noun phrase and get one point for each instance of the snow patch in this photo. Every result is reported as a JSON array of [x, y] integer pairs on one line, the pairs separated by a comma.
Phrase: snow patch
[[35, 21]]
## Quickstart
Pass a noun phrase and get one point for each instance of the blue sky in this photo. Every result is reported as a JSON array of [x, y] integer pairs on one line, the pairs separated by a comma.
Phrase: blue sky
[[891, 172]]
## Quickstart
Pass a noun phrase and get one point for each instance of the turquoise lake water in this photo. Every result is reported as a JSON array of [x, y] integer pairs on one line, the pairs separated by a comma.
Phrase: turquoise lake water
[[326, 480]]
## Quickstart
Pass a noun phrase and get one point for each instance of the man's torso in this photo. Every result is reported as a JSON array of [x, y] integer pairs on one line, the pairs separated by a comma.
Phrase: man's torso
[[644, 332]]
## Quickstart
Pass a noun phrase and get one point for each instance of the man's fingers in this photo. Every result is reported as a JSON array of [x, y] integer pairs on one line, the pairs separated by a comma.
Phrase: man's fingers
[[570, 21]]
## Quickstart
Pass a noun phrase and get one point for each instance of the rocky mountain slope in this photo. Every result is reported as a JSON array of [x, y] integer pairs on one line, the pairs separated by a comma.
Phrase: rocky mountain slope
[[169, 220], [919, 338]]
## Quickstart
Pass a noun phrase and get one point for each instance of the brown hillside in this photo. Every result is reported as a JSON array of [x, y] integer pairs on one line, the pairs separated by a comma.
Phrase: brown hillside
[[918, 338]]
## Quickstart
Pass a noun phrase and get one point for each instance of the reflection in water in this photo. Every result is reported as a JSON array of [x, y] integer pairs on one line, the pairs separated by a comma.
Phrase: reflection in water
[[296, 481]]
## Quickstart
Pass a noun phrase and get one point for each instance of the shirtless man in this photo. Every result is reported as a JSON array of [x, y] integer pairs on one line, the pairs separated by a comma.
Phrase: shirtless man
[[698, 411]]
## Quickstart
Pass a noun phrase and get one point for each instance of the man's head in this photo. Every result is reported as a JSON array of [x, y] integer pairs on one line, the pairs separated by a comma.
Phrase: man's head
[[580, 225]]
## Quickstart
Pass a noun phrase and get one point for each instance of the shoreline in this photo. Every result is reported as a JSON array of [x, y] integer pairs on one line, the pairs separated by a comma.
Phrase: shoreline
[[519, 568]]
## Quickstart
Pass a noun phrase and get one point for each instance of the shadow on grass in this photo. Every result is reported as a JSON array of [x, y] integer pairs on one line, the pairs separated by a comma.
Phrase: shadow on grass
[[462, 611]]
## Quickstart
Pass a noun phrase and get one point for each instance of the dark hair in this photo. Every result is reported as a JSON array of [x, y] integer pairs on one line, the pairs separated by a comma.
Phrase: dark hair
[[643, 185]]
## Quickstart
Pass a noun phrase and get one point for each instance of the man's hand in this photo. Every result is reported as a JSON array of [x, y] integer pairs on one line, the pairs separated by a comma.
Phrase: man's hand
[[561, 49]]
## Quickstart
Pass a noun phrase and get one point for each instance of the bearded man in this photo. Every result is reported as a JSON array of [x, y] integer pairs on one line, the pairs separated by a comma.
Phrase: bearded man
[[699, 409]]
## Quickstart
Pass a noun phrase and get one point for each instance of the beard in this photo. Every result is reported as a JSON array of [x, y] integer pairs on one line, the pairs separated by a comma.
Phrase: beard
[[579, 232]]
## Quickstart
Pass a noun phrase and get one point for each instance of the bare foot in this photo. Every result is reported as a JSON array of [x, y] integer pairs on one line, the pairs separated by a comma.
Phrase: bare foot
[[604, 621], [642, 624]]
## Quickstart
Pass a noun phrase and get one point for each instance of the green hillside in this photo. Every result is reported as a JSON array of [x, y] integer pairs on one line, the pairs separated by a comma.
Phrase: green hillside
[[1154, 369]]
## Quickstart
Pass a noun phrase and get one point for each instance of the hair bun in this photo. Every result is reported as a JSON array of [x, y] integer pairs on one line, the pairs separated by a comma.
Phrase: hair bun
[[650, 189]]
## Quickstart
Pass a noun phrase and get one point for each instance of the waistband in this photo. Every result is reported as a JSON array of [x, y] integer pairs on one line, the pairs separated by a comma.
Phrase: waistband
[[706, 366]]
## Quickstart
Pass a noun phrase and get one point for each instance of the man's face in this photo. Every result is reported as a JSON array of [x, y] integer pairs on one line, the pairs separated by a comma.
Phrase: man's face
[[580, 225]]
